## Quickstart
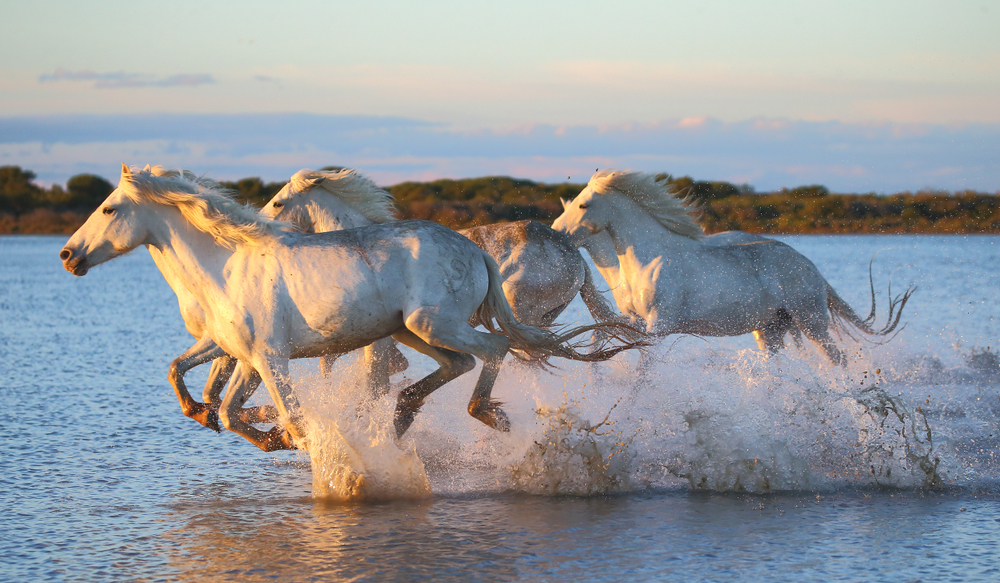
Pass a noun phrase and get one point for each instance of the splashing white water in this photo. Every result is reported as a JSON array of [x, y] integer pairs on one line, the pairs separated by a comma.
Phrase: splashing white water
[[573, 456], [351, 444], [702, 417]]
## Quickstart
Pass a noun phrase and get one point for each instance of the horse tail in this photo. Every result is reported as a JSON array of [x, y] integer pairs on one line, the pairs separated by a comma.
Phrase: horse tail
[[538, 344], [842, 313]]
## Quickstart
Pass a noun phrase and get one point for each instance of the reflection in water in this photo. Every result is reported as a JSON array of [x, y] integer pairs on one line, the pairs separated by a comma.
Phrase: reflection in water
[[510, 538]]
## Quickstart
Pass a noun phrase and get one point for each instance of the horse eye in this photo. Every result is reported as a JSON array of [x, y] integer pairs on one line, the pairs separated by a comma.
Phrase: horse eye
[[108, 210], [277, 205], [584, 205]]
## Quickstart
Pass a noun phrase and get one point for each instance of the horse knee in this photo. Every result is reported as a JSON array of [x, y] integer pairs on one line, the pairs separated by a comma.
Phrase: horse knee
[[173, 373], [460, 364]]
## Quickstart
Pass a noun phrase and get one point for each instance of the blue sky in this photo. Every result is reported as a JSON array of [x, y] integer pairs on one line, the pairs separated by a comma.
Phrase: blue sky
[[860, 96]]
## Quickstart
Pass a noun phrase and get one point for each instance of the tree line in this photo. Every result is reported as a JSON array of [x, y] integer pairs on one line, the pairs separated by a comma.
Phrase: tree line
[[26, 207]]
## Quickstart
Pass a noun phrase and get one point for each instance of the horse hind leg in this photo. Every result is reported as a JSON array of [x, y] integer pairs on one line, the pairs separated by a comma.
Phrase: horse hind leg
[[452, 365], [457, 337], [771, 337], [816, 327]]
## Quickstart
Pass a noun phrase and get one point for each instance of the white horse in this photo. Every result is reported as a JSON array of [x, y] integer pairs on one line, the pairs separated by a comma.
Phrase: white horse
[[679, 284], [362, 203], [542, 271], [270, 295], [602, 251]]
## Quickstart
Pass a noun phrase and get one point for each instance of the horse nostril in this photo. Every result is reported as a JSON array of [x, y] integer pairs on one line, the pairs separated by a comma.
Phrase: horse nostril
[[65, 254]]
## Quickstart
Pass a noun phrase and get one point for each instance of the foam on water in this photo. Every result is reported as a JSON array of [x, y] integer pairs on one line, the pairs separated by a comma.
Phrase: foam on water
[[702, 417]]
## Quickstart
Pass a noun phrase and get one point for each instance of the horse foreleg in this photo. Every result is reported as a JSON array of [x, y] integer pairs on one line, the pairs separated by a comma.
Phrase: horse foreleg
[[453, 364], [273, 369], [218, 377], [203, 351], [244, 382]]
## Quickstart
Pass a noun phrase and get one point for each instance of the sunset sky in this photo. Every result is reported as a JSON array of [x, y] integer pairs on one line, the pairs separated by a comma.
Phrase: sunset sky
[[859, 96]]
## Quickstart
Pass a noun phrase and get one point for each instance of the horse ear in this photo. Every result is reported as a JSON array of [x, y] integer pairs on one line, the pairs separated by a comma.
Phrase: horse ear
[[126, 173], [564, 202], [148, 168]]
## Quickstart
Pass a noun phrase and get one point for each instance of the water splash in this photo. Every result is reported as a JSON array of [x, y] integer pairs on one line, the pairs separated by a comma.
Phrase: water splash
[[703, 417], [351, 444], [573, 456]]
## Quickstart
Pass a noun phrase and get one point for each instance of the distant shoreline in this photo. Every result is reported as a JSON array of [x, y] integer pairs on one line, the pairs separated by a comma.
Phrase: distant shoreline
[[26, 209]]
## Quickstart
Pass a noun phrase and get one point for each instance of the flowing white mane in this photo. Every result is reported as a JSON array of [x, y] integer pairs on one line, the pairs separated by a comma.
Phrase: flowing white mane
[[656, 197], [357, 191], [206, 205]]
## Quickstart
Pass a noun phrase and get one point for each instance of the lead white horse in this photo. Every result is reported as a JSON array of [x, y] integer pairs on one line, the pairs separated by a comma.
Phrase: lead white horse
[[270, 295], [677, 283], [542, 271], [361, 203]]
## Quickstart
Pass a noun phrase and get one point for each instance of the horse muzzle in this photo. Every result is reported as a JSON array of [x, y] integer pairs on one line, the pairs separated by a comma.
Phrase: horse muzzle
[[73, 262]]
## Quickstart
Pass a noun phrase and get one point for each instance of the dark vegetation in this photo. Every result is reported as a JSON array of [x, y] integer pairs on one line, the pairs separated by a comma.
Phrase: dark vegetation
[[28, 208]]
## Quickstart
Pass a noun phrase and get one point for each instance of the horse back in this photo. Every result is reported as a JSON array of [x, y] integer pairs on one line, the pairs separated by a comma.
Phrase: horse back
[[515, 246]]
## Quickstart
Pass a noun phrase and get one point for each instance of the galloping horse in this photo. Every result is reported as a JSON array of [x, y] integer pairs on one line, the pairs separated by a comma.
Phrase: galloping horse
[[363, 203], [270, 295], [679, 284], [602, 250]]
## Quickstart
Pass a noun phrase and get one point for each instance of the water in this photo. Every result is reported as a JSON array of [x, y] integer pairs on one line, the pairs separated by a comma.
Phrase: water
[[720, 465]]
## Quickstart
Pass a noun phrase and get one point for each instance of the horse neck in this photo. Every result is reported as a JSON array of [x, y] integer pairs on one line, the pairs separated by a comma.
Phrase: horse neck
[[190, 259], [329, 213], [636, 234]]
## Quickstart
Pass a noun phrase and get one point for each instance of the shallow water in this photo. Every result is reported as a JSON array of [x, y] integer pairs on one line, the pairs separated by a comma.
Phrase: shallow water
[[720, 465]]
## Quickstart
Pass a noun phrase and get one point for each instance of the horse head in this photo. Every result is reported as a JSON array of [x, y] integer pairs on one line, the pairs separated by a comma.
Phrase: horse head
[[115, 228], [585, 215], [317, 201]]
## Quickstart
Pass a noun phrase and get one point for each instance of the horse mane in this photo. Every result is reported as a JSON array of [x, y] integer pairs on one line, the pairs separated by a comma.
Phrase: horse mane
[[356, 190], [655, 195], [208, 206]]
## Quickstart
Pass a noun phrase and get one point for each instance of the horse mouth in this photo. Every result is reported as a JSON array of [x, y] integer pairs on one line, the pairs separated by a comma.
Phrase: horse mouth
[[78, 268]]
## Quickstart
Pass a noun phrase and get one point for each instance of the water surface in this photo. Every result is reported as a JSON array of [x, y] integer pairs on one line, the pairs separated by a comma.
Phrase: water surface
[[104, 479]]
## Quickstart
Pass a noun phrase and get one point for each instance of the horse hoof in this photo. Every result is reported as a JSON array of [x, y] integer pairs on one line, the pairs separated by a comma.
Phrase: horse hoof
[[402, 421], [500, 421], [277, 439], [205, 415], [212, 420]]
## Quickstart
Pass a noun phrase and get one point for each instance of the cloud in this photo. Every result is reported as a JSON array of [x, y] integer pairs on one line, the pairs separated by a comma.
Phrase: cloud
[[120, 80], [766, 153]]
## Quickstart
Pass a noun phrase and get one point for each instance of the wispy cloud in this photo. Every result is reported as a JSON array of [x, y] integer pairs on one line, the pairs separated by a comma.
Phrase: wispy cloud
[[120, 79]]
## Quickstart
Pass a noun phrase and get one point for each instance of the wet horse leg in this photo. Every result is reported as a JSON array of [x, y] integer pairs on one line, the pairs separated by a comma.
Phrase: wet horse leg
[[218, 377], [815, 325], [452, 365], [203, 351], [382, 360], [242, 386], [273, 369], [771, 337], [456, 338]]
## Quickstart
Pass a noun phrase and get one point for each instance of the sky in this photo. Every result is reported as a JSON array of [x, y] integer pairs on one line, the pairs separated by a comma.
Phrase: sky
[[860, 96]]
